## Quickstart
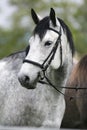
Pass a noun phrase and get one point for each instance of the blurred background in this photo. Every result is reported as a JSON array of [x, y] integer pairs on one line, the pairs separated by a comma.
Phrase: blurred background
[[16, 24]]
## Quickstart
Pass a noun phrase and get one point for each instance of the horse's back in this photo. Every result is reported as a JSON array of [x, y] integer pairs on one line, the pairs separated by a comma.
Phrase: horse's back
[[12, 62]]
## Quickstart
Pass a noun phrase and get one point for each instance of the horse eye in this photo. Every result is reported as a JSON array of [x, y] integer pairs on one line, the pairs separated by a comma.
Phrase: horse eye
[[48, 43]]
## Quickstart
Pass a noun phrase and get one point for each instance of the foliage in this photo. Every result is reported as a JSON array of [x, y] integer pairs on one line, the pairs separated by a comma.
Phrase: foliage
[[11, 41], [81, 34], [16, 38]]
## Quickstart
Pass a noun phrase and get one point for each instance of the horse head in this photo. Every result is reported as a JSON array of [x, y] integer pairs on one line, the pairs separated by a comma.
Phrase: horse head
[[48, 48]]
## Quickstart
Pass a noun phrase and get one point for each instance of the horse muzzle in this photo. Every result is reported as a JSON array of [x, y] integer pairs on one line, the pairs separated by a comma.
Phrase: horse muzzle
[[26, 82]]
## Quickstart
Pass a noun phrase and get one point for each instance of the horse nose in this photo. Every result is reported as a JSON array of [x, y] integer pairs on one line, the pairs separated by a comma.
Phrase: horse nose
[[24, 80]]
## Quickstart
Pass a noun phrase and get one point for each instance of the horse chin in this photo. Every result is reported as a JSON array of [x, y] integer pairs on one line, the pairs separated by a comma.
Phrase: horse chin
[[29, 86]]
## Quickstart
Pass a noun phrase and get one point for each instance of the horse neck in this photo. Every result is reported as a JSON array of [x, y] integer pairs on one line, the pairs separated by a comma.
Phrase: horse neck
[[59, 76]]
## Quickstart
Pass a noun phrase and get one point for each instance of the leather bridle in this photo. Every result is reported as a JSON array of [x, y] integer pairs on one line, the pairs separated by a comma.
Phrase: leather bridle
[[45, 65], [50, 57]]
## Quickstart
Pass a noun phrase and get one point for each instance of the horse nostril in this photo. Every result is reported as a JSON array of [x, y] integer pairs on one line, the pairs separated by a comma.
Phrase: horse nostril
[[27, 79], [24, 79]]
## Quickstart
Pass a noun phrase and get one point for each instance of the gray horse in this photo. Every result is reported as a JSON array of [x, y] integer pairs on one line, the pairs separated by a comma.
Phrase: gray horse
[[47, 60]]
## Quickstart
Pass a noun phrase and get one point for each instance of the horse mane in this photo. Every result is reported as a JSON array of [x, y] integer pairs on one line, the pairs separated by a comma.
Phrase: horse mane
[[68, 34], [43, 26], [78, 75]]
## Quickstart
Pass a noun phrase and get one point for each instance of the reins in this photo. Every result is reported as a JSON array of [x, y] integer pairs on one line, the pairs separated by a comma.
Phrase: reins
[[44, 66], [63, 87]]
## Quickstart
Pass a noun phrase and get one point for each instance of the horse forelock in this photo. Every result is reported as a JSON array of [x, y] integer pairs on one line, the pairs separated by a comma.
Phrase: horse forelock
[[42, 27]]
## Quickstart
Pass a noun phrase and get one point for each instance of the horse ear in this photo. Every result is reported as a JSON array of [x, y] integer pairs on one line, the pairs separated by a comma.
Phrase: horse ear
[[35, 17], [53, 17]]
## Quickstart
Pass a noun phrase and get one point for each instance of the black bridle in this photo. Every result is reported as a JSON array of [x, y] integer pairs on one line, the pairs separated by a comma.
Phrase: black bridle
[[50, 57], [44, 66]]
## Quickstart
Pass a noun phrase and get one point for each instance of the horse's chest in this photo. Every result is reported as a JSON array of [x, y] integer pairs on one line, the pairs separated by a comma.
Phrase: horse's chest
[[28, 107]]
